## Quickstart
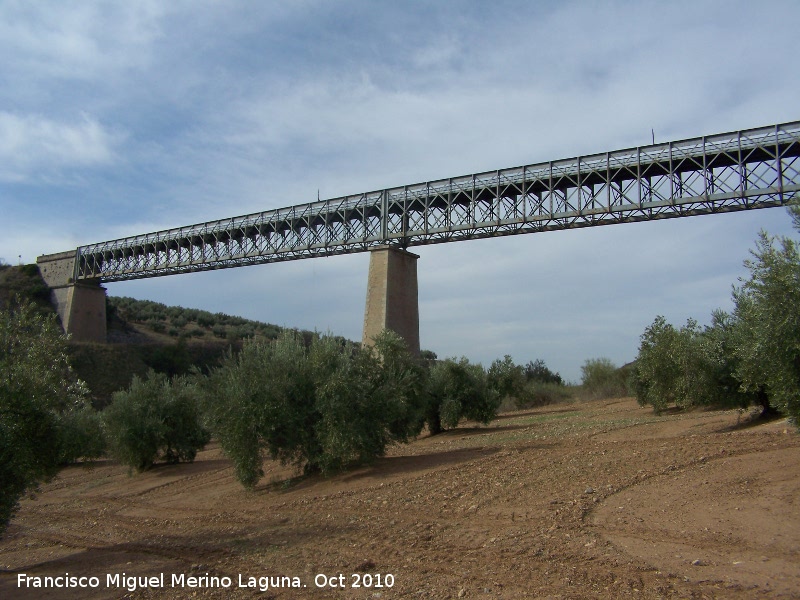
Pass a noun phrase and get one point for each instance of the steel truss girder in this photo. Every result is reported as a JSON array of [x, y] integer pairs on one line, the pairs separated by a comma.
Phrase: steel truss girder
[[742, 170]]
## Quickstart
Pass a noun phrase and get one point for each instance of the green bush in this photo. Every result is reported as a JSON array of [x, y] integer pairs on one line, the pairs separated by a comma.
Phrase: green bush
[[37, 385], [537, 393], [688, 367], [658, 366], [171, 359], [366, 399], [601, 379], [155, 315], [81, 435], [173, 312], [155, 419], [718, 384], [269, 331], [538, 371], [206, 319], [525, 387], [24, 282], [459, 390], [313, 403], [506, 378]]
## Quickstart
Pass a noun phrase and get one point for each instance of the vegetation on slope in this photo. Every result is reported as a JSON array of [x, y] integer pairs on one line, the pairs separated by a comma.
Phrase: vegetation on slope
[[160, 321]]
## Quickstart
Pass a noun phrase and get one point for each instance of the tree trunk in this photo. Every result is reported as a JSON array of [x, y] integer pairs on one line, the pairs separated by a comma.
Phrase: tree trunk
[[767, 411]]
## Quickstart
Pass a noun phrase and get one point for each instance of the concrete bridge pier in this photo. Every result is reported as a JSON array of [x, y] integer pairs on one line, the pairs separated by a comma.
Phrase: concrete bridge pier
[[392, 297], [80, 306]]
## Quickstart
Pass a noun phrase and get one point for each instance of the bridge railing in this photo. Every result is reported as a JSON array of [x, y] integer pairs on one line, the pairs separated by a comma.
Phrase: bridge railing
[[742, 170]]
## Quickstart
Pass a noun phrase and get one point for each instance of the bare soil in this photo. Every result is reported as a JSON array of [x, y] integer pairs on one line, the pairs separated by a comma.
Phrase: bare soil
[[600, 499]]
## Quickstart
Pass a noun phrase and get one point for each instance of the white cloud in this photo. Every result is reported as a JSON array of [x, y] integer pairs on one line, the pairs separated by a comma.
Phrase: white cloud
[[20, 244], [77, 40], [34, 146]]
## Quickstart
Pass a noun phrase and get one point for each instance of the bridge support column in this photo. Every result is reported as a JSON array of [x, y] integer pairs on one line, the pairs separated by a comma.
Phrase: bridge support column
[[392, 299], [80, 306]]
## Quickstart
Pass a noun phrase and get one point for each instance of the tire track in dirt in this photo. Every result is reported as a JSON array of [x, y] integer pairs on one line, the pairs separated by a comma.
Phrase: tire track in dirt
[[504, 511], [693, 519]]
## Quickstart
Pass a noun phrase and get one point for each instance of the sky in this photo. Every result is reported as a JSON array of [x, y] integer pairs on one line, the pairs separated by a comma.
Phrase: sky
[[122, 118]]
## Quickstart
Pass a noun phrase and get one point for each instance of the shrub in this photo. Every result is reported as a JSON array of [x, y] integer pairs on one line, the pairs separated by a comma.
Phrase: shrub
[[538, 371], [749, 357], [206, 319], [270, 331], [718, 383], [171, 359], [536, 393], [25, 282], [81, 435], [506, 378], [601, 379], [458, 390], [137, 310], [174, 312], [366, 399], [658, 366], [154, 419], [688, 367]]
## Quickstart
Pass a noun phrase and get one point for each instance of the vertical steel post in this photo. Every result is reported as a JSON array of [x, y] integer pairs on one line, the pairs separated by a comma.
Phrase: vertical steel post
[[671, 178], [385, 216], [779, 163]]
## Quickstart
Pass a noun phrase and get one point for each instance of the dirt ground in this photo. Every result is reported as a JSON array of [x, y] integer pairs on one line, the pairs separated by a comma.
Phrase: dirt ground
[[592, 500]]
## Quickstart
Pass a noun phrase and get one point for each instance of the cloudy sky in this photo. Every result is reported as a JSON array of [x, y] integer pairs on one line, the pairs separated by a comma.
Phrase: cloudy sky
[[120, 118]]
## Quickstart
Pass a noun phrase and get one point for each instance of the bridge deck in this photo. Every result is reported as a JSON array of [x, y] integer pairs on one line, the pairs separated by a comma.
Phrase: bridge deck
[[742, 170]]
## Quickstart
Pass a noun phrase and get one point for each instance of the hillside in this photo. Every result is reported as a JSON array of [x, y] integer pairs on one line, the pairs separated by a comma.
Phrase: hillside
[[142, 335], [130, 319], [24, 283]]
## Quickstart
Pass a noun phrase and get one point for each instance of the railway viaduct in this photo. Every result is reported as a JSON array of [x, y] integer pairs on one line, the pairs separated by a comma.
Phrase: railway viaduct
[[741, 170]]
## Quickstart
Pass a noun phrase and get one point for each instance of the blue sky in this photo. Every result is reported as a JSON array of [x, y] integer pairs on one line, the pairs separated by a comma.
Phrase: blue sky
[[119, 118]]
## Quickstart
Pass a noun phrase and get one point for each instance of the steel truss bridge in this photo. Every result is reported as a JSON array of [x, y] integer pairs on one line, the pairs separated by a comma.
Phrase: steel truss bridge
[[742, 170]]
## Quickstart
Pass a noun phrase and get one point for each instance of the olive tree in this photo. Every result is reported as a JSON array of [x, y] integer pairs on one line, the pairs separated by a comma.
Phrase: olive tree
[[156, 418], [718, 383], [766, 309], [37, 386], [506, 377], [321, 405], [458, 389], [671, 366], [367, 399]]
